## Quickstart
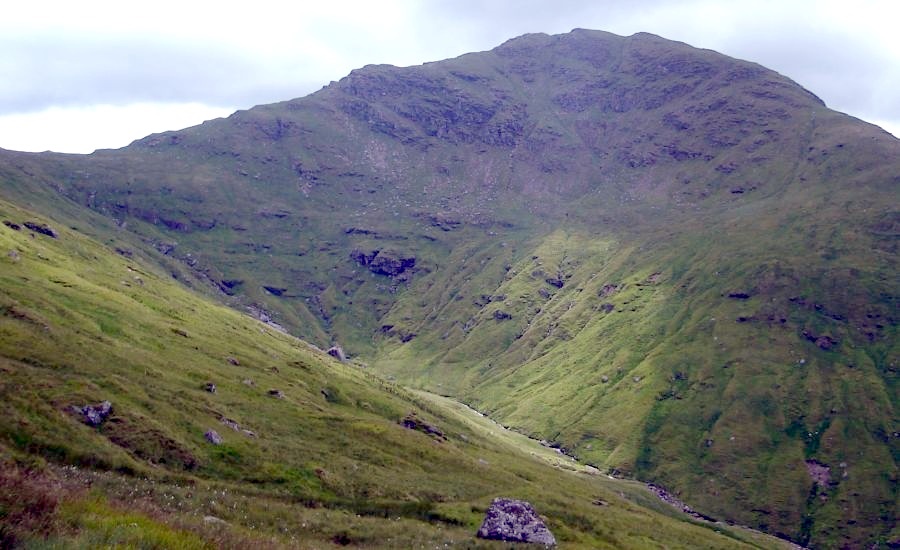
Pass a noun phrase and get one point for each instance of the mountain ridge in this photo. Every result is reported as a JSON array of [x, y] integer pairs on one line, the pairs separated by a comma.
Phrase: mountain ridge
[[621, 244]]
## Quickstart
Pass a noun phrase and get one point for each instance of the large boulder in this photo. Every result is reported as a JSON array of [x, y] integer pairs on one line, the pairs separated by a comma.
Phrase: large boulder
[[213, 437], [94, 415], [514, 521]]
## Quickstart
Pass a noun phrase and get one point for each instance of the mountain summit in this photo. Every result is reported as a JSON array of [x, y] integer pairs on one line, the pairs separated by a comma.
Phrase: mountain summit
[[672, 264]]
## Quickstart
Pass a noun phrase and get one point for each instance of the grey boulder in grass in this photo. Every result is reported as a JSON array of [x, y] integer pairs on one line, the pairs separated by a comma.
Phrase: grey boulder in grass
[[94, 415], [213, 437], [514, 521]]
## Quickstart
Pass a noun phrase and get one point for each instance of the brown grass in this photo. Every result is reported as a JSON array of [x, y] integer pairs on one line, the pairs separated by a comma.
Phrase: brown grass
[[28, 503]]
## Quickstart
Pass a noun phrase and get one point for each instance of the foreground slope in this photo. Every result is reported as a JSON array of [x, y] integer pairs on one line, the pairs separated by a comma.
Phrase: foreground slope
[[674, 264], [324, 461]]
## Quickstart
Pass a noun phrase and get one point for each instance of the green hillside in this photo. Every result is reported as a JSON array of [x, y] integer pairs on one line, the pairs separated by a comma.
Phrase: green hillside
[[325, 461], [675, 265]]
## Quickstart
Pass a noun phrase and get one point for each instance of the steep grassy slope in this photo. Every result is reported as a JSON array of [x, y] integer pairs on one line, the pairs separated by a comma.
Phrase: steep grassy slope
[[672, 263], [327, 461]]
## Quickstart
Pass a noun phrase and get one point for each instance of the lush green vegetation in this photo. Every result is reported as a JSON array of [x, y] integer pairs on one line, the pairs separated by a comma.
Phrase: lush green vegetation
[[327, 463], [676, 265]]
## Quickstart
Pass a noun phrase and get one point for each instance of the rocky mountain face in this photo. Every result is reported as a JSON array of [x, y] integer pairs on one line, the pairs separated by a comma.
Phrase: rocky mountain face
[[672, 264]]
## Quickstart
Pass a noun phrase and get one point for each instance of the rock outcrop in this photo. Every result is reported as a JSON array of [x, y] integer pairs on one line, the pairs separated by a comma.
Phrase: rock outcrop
[[555, 281], [382, 262], [413, 422], [338, 353], [94, 415], [41, 228]]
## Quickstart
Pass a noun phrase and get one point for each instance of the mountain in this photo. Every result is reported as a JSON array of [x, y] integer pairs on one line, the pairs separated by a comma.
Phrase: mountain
[[675, 265]]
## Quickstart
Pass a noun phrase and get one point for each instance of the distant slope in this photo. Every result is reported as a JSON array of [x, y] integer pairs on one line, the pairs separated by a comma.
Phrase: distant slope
[[672, 263]]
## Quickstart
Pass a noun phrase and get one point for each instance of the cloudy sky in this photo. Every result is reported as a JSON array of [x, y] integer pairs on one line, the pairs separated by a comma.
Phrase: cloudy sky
[[88, 74]]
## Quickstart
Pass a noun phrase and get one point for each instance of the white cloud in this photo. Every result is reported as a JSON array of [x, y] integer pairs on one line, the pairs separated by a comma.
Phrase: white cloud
[[84, 129], [227, 55]]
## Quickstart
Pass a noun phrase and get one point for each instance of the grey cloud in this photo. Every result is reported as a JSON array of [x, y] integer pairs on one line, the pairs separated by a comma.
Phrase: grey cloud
[[843, 71], [840, 65], [850, 73], [75, 70]]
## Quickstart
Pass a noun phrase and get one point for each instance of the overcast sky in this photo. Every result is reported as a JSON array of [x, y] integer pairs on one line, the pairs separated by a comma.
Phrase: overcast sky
[[82, 75]]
